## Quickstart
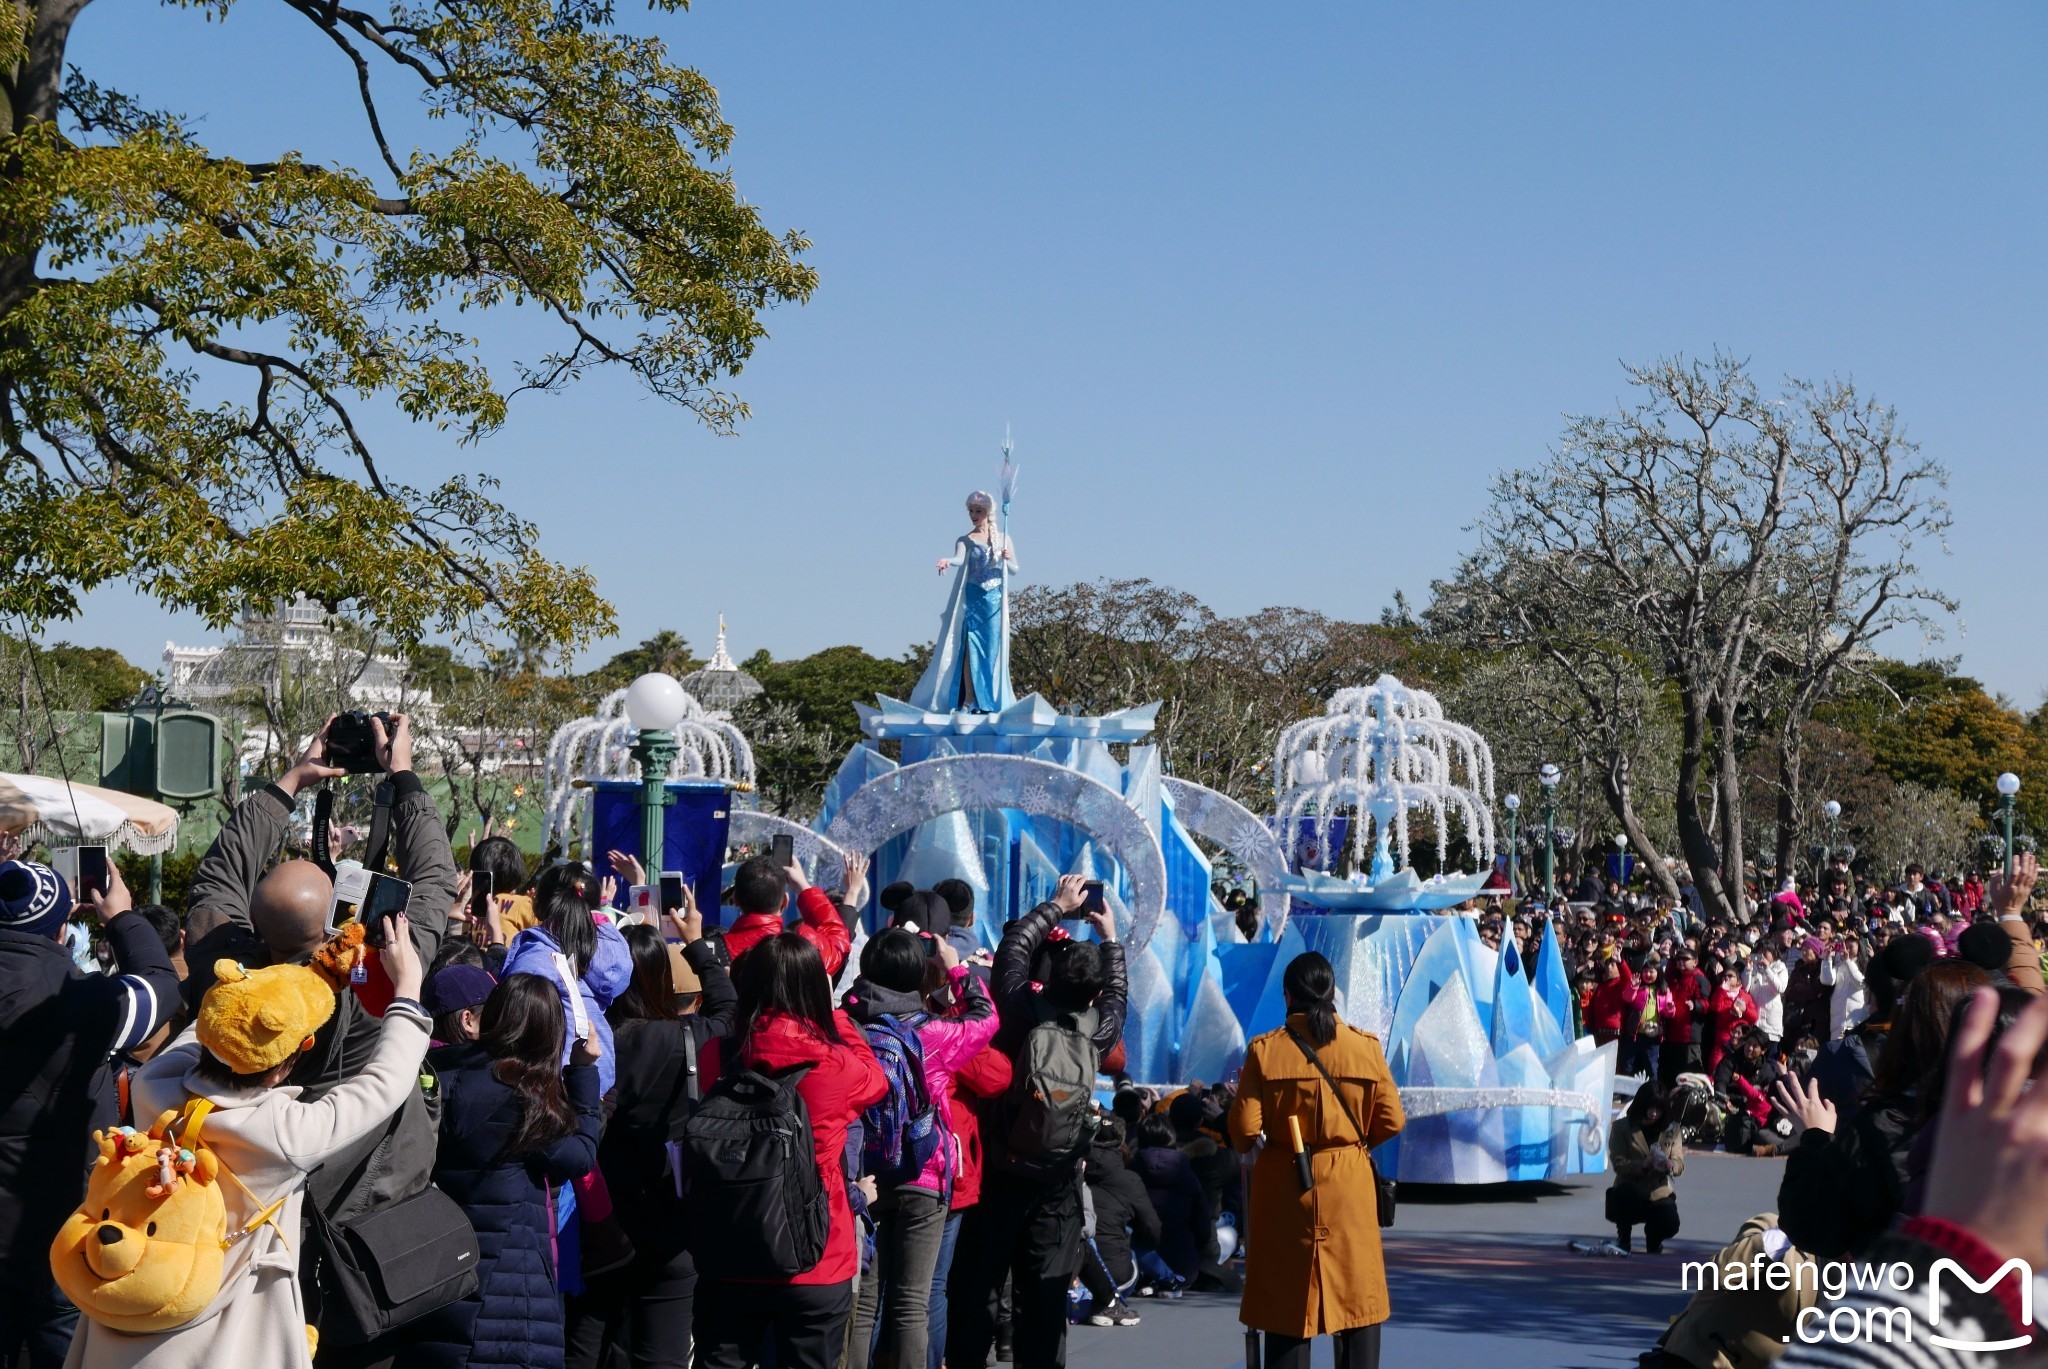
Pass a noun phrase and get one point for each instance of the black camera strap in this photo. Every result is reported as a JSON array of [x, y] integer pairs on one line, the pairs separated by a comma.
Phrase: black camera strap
[[380, 826], [323, 817]]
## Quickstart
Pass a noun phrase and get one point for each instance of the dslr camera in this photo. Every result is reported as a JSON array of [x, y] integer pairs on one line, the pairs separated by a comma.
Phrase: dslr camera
[[352, 745]]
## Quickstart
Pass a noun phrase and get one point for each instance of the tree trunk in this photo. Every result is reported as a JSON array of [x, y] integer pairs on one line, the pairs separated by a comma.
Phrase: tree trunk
[[1615, 784], [1693, 836], [1728, 779], [1791, 796]]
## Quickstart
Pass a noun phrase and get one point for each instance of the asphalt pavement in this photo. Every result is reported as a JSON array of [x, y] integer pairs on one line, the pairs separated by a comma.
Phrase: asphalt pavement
[[1483, 1278]]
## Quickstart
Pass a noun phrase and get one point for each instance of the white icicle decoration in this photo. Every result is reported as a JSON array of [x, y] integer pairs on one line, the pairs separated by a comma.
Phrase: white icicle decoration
[[600, 748], [1378, 752]]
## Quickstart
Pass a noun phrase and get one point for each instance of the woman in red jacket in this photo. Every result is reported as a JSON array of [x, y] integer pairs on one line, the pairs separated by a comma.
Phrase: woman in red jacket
[[786, 1021], [1731, 1007]]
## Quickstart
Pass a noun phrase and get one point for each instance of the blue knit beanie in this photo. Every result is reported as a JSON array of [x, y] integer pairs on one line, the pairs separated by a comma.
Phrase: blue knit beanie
[[33, 898]]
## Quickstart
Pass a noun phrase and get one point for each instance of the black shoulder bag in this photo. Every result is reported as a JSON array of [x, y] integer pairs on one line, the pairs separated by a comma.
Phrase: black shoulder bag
[[1382, 1187]]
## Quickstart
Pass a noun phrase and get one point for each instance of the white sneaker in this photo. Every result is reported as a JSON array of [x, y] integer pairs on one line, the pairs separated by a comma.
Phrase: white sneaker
[[1101, 1319]]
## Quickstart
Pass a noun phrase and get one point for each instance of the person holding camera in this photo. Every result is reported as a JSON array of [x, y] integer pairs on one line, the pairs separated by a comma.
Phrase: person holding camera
[[280, 916], [1061, 1002]]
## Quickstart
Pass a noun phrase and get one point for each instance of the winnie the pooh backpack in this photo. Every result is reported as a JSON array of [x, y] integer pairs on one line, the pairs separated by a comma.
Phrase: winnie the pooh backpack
[[146, 1250]]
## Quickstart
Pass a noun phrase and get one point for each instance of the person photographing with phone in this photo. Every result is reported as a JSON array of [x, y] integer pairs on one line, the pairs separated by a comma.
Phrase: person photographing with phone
[[57, 1028], [1061, 1001], [763, 888]]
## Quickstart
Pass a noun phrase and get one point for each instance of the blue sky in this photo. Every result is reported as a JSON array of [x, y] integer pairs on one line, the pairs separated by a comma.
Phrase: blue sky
[[1266, 292]]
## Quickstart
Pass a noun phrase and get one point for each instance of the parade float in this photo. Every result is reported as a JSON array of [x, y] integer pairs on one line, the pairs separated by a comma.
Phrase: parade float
[[1008, 793]]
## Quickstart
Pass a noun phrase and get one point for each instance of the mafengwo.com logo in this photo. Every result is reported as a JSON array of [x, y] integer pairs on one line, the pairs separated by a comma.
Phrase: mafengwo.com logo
[[1894, 1308]]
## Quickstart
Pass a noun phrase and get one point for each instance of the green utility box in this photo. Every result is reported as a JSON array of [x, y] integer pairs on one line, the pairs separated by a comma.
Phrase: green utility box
[[170, 755]]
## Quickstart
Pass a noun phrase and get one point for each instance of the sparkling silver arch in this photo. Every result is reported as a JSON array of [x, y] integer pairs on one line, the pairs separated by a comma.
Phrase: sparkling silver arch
[[1222, 819], [892, 804], [750, 827]]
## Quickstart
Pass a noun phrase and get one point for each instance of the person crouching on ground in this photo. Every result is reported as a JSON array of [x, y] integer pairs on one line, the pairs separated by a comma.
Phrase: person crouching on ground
[[1647, 1151]]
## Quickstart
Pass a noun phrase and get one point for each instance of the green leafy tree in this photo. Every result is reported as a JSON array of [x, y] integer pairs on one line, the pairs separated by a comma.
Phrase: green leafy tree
[[823, 687], [665, 651], [108, 678], [191, 342]]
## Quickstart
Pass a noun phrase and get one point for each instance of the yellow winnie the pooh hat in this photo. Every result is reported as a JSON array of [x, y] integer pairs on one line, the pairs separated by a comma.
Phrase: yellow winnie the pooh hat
[[253, 1020]]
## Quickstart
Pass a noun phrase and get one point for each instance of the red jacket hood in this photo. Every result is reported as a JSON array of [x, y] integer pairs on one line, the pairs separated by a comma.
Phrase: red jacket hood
[[781, 1042]]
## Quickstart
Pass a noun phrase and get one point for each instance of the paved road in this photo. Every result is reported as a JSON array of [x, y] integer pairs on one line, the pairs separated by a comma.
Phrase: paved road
[[1482, 1279]]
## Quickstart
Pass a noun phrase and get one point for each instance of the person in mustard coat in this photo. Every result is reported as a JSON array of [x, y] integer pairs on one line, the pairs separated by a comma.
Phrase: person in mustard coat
[[1314, 1266]]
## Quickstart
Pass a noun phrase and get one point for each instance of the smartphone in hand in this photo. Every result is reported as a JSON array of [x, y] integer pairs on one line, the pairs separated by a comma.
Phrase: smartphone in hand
[[1091, 899], [92, 871], [782, 850]]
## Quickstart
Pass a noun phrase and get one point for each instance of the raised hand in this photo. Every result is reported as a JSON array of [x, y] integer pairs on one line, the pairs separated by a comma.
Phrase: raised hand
[[2010, 896], [1989, 1174], [1802, 1102], [627, 867], [394, 747]]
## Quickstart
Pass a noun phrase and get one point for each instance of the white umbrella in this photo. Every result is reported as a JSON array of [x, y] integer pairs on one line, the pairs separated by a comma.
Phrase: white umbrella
[[42, 809]]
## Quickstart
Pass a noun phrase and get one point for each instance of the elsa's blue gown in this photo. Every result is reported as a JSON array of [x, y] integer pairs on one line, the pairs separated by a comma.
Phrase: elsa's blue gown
[[970, 666], [981, 610]]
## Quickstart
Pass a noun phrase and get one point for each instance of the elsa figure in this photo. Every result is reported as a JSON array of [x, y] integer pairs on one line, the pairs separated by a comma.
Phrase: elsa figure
[[970, 667]]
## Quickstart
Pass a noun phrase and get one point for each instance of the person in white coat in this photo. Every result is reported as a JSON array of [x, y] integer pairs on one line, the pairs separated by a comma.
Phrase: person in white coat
[[269, 1141], [1848, 1005], [1766, 978]]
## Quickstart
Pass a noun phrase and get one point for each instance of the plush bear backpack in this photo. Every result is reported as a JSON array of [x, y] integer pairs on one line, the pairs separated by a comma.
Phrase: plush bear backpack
[[146, 1250]]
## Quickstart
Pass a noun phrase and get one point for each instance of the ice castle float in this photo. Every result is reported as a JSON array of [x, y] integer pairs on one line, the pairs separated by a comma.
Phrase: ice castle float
[[1495, 1085]]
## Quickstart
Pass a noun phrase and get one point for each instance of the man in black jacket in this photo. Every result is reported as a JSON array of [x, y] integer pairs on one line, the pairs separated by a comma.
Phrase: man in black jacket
[[1028, 1223], [57, 1029], [279, 915]]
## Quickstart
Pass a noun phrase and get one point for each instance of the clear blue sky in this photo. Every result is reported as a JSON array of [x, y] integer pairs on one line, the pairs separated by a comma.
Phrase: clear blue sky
[[1267, 292]]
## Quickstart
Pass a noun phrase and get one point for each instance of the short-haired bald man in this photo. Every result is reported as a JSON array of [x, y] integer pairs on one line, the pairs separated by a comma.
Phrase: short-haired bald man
[[279, 915]]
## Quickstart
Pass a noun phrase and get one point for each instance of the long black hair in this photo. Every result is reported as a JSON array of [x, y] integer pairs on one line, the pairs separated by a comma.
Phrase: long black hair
[[564, 897], [1156, 1132], [522, 1033], [652, 994], [1311, 989], [786, 975]]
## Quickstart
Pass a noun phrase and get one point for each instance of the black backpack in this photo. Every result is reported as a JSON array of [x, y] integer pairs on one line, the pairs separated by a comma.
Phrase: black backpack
[[751, 1189], [1052, 1092]]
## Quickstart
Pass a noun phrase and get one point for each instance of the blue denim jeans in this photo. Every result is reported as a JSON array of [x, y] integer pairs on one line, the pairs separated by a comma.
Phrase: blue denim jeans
[[936, 1351]]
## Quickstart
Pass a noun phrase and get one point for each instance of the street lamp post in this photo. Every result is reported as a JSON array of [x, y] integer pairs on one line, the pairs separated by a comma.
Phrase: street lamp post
[[1548, 777], [655, 704], [1513, 803], [1833, 811], [2008, 791]]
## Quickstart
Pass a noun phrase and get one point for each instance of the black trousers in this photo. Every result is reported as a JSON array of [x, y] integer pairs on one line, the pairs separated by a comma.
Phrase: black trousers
[[807, 1321], [638, 1316], [1675, 1059], [1030, 1230], [1659, 1219], [36, 1324], [1358, 1348]]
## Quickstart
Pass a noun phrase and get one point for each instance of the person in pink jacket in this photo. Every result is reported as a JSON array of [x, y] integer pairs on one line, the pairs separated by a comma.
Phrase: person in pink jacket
[[918, 980]]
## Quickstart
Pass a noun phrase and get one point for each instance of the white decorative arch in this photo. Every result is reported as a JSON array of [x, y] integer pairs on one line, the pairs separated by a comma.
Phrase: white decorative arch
[[892, 804], [749, 827], [1222, 819]]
